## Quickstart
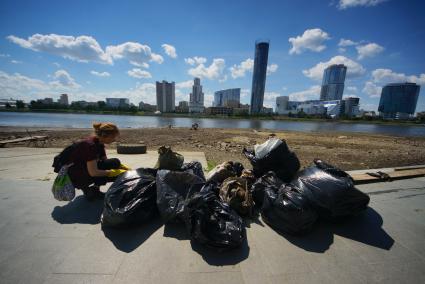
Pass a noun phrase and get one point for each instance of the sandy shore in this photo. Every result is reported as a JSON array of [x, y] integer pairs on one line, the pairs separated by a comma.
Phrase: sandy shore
[[350, 151]]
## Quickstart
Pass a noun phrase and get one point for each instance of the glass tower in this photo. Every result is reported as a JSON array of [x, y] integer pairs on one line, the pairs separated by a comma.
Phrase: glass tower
[[333, 82], [227, 98], [259, 76], [399, 100], [165, 96]]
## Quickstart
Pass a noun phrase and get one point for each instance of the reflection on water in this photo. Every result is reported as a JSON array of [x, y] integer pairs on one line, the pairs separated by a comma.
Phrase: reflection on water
[[128, 121]]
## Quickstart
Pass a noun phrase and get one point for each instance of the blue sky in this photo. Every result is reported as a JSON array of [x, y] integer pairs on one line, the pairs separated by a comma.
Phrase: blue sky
[[97, 49]]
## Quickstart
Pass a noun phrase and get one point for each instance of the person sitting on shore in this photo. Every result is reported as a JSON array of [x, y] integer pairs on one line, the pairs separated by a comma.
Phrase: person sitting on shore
[[91, 168]]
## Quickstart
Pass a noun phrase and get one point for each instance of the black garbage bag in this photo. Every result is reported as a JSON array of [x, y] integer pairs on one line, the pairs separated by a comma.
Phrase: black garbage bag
[[331, 191], [225, 170], [234, 191], [195, 168], [168, 159], [274, 156], [212, 222], [286, 210], [258, 188], [173, 187], [131, 199]]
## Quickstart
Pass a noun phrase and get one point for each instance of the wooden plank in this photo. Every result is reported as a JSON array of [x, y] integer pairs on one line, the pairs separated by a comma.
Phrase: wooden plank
[[411, 173], [24, 139]]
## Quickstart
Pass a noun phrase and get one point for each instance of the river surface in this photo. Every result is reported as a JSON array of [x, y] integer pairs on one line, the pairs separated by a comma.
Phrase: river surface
[[66, 120]]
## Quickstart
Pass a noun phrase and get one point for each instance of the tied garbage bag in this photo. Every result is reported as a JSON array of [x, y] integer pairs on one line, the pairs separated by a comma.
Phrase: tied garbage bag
[[225, 170], [234, 191], [195, 168], [273, 155], [258, 189], [331, 191], [173, 187], [287, 210], [131, 199], [212, 222], [169, 160]]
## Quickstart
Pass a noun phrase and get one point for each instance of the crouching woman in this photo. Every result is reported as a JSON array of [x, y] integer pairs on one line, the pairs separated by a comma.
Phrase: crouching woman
[[91, 168]]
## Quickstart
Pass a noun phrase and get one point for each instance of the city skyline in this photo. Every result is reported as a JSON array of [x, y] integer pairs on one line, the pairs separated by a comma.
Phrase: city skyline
[[113, 50]]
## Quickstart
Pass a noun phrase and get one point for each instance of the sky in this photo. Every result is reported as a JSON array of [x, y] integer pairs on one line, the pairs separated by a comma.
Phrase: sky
[[94, 49]]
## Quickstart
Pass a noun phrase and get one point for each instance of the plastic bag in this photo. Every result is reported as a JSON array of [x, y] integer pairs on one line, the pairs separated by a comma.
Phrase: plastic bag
[[213, 223], [63, 189], [131, 199], [169, 160], [225, 170], [195, 168], [331, 191], [173, 187], [234, 191], [263, 149], [258, 189], [275, 157], [287, 210]]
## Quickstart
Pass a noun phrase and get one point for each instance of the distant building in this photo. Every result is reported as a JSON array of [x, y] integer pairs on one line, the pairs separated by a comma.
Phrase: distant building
[[241, 110], [63, 100], [46, 101], [196, 102], [227, 98], [282, 105], [351, 107], [147, 107], [333, 82], [398, 101], [183, 107], [117, 102], [334, 108], [267, 110], [219, 110], [5, 103], [165, 96], [259, 76], [84, 104]]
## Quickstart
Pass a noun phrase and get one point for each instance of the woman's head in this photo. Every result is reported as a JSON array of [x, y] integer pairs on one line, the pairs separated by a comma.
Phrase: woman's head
[[106, 132]]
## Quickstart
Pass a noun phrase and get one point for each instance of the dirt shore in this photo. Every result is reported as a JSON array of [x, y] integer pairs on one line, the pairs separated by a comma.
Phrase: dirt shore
[[349, 151]]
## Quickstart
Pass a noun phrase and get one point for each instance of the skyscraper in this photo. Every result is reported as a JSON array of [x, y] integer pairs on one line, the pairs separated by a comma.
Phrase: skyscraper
[[282, 105], [63, 100], [333, 82], [165, 96], [399, 100], [259, 76], [196, 102], [227, 98]]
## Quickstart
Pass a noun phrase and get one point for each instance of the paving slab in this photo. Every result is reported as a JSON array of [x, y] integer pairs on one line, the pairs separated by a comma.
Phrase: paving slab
[[46, 241]]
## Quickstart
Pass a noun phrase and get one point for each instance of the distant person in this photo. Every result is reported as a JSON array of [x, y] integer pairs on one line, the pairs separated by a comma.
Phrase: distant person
[[91, 168]]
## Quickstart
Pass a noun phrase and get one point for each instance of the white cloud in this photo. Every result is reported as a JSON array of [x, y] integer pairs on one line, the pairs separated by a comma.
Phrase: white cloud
[[245, 93], [240, 70], [208, 99], [16, 62], [354, 69], [81, 48], [4, 55], [352, 89], [346, 42], [169, 50], [86, 49], [372, 90], [137, 54], [386, 76], [345, 4], [214, 71], [368, 50], [56, 64], [63, 80], [342, 50], [20, 87], [310, 40], [100, 74], [185, 85], [223, 79], [195, 60], [272, 68], [270, 99], [313, 93], [139, 73]]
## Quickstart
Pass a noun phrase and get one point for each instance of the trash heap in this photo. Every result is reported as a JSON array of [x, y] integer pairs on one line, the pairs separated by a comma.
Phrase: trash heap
[[212, 207]]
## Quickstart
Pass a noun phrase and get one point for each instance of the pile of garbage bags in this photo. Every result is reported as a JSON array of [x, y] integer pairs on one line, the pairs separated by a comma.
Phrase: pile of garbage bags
[[212, 207]]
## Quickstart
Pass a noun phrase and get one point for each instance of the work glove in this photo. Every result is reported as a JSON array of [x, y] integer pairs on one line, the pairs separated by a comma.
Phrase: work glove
[[115, 172], [124, 167]]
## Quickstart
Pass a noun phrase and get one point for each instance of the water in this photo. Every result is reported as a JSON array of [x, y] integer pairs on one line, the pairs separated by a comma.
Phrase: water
[[66, 120]]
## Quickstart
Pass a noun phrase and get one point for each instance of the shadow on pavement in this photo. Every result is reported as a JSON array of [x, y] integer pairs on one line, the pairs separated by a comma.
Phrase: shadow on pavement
[[79, 211], [365, 228], [128, 239]]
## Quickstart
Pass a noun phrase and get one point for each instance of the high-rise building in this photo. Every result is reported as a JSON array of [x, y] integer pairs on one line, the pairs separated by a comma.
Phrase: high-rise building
[[227, 98], [117, 102], [259, 76], [63, 100], [398, 101], [165, 96], [196, 102], [351, 106], [282, 105], [333, 82]]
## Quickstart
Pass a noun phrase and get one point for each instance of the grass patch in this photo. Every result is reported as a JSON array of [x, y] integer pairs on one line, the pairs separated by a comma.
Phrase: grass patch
[[210, 165]]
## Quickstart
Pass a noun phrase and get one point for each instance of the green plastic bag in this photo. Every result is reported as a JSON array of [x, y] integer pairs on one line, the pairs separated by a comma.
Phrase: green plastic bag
[[63, 189]]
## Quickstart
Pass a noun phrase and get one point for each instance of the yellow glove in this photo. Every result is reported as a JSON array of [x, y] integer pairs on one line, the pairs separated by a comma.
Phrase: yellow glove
[[115, 172], [124, 167]]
